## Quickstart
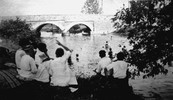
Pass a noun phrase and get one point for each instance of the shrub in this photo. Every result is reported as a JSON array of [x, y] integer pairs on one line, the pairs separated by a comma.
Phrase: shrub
[[15, 29]]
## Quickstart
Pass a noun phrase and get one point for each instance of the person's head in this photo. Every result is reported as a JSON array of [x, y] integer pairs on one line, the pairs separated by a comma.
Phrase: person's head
[[120, 56], [77, 55], [102, 53], [23, 42], [42, 47], [29, 50], [59, 52]]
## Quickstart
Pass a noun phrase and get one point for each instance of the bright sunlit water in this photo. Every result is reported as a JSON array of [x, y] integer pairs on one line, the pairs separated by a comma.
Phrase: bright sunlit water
[[157, 88]]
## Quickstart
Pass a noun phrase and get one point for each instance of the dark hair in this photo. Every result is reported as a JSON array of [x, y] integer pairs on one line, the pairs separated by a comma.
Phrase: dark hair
[[77, 55], [42, 47], [23, 42], [120, 56], [102, 53], [59, 52]]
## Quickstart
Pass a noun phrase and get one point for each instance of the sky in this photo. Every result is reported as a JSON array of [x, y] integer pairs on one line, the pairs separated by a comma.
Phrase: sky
[[41, 7]]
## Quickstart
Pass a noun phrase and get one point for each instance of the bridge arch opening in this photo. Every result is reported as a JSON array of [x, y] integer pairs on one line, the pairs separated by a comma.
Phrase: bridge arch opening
[[80, 28], [48, 29]]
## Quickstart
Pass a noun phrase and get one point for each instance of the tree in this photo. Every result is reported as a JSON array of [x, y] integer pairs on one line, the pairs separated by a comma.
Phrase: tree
[[15, 29], [150, 24], [91, 7]]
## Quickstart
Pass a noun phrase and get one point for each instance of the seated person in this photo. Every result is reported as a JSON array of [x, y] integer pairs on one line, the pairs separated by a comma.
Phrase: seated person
[[8, 81], [42, 60], [119, 67], [61, 78], [27, 69], [20, 52], [41, 53], [118, 71], [103, 63]]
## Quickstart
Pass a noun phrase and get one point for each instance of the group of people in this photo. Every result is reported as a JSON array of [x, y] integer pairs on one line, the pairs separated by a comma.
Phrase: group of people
[[40, 73], [113, 75], [36, 69]]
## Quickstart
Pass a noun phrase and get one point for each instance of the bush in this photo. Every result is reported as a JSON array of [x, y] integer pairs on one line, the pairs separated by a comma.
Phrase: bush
[[15, 29]]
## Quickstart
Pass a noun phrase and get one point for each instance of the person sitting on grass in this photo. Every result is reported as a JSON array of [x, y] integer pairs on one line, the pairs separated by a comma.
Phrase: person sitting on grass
[[27, 74], [27, 68], [20, 52], [103, 63], [8, 81], [61, 73], [42, 60], [41, 53], [7, 60], [100, 80], [118, 70]]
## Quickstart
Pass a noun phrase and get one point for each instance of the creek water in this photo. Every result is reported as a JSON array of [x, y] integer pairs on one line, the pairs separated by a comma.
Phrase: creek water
[[87, 48]]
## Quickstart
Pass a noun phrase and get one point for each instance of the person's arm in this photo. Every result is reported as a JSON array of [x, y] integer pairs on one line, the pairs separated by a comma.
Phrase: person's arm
[[33, 66], [98, 69], [66, 48], [111, 68], [50, 71]]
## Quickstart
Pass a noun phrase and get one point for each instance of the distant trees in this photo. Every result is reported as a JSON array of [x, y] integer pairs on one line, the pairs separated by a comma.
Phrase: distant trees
[[91, 7], [150, 28]]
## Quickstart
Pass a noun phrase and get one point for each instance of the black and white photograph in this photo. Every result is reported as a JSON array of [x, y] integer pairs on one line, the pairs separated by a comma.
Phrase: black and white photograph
[[86, 50]]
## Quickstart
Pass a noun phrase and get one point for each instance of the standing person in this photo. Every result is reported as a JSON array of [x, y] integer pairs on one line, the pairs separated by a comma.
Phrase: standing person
[[107, 46], [110, 53], [119, 74], [61, 73]]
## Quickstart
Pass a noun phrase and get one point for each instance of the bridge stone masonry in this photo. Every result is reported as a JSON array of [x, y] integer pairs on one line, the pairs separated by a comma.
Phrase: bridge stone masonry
[[98, 24]]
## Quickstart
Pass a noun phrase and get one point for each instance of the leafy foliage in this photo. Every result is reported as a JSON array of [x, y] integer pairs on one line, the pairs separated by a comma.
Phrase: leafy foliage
[[91, 7], [150, 25], [15, 29]]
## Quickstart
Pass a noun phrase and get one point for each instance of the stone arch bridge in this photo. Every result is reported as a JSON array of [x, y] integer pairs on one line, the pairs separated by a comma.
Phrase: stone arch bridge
[[98, 24]]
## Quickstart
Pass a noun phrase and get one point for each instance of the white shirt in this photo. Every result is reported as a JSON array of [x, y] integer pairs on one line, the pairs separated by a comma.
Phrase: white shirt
[[119, 69], [27, 67], [43, 72], [18, 56], [39, 57], [60, 71], [103, 63]]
